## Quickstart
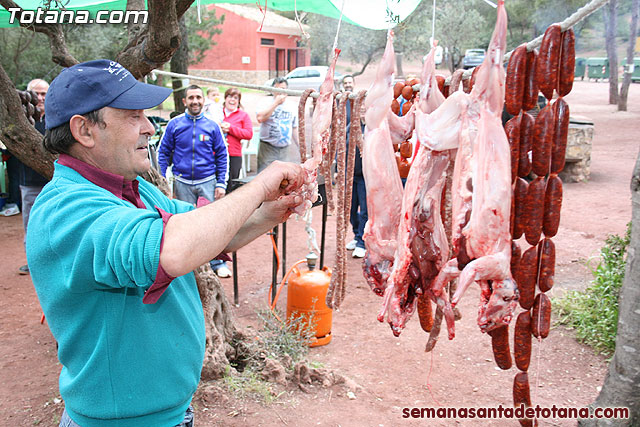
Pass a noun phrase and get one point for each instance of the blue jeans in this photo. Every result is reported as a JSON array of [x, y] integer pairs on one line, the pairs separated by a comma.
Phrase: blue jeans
[[29, 194], [359, 214], [66, 420], [190, 193]]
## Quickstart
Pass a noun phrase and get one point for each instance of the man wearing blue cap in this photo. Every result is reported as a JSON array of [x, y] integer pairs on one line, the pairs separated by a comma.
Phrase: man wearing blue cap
[[111, 258]]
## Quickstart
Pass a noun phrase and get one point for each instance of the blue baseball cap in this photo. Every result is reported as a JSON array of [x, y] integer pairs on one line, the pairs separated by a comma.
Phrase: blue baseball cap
[[92, 85]]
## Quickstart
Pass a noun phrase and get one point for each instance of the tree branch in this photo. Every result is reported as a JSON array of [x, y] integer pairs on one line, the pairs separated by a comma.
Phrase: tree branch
[[156, 44], [22, 139], [59, 51], [369, 59]]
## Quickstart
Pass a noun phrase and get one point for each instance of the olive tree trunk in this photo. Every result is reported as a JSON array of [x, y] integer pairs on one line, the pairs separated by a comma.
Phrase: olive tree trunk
[[611, 29], [622, 384], [180, 65], [626, 79]]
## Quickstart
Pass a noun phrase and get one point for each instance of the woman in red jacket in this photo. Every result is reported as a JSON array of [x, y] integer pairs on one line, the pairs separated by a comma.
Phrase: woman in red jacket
[[236, 126]]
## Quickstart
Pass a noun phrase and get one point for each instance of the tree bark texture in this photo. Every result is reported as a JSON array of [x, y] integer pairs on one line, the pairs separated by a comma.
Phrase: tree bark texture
[[155, 44], [180, 64], [17, 134], [399, 70], [220, 327], [622, 384], [611, 29], [626, 79]]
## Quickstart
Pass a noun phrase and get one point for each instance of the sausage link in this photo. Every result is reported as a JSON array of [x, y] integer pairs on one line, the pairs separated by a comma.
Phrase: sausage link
[[512, 129], [302, 134], [542, 141], [406, 149], [534, 210], [526, 278], [500, 345], [519, 197], [407, 92], [547, 259], [472, 81], [552, 206], [522, 395], [515, 80], [548, 60], [530, 95], [445, 90], [567, 62], [395, 107], [406, 107], [397, 89], [440, 79], [425, 313], [541, 316], [527, 126], [522, 341], [560, 134], [516, 254]]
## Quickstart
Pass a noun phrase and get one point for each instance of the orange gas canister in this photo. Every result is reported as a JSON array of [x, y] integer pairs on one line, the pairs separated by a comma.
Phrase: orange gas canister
[[306, 293]]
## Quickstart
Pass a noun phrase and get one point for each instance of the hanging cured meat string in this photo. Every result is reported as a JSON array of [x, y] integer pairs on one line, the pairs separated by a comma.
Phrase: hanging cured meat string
[[536, 207], [320, 137]]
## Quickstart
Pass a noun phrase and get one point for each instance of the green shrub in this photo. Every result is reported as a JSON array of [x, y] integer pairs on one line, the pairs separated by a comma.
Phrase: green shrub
[[278, 338], [593, 313]]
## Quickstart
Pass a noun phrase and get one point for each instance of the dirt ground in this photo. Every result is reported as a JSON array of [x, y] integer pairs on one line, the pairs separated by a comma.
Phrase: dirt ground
[[391, 373]]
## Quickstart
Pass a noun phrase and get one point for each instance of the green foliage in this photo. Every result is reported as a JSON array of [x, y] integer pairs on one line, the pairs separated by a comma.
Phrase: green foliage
[[25, 55], [201, 34], [94, 41], [593, 313], [279, 338], [249, 384]]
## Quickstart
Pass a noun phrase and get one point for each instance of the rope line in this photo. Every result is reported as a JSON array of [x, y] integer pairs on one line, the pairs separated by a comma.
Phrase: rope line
[[243, 85], [335, 40], [572, 20]]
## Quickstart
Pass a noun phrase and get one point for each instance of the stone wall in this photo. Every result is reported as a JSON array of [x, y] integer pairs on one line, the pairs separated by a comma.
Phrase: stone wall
[[578, 157], [240, 76]]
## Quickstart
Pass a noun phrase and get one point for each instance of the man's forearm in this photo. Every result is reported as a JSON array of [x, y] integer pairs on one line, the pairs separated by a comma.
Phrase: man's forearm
[[255, 226], [193, 238], [264, 115]]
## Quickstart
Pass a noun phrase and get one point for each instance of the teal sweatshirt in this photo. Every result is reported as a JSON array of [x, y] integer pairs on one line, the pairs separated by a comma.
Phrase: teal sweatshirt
[[91, 257]]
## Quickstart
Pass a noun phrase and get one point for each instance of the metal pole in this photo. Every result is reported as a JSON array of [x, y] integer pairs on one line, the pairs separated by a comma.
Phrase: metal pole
[[324, 227], [235, 277], [284, 248], [274, 265]]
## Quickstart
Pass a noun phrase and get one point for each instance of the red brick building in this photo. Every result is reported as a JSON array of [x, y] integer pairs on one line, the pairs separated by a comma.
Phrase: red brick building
[[246, 53]]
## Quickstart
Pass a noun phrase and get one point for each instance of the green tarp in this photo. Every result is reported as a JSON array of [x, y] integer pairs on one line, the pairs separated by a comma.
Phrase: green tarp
[[375, 14]]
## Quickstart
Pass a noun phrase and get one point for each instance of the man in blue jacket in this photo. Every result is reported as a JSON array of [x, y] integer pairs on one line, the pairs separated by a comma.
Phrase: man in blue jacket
[[111, 257], [195, 145]]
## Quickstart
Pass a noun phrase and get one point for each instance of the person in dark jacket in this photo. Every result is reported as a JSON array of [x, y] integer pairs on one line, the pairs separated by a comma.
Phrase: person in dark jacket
[[31, 182], [359, 215], [199, 155]]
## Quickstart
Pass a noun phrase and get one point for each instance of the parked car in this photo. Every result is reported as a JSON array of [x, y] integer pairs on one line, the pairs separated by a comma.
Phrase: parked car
[[473, 58], [310, 77]]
